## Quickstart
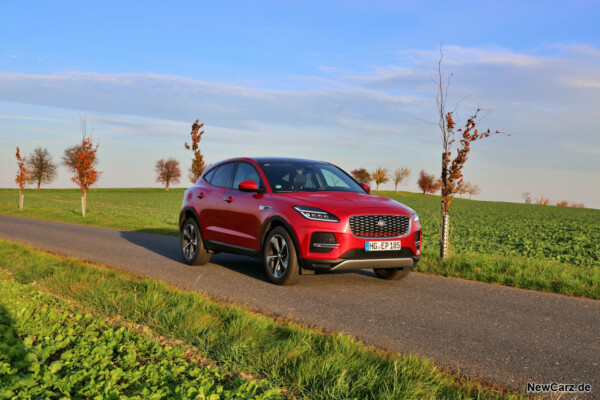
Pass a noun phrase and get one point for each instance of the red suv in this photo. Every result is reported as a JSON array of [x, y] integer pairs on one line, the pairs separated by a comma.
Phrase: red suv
[[298, 216]]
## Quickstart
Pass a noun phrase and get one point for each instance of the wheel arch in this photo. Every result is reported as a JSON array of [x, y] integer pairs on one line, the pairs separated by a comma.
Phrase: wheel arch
[[274, 222], [188, 212]]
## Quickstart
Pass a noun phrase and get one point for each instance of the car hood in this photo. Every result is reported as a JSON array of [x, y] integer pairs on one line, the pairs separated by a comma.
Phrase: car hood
[[346, 202]]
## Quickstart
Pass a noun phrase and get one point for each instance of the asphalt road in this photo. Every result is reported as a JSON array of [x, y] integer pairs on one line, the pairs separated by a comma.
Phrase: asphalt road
[[506, 335]]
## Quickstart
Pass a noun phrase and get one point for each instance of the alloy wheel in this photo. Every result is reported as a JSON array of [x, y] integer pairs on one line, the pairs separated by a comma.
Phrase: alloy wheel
[[278, 256], [190, 241]]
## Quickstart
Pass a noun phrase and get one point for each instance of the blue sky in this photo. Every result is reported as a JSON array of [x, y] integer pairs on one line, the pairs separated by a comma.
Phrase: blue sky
[[348, 82]]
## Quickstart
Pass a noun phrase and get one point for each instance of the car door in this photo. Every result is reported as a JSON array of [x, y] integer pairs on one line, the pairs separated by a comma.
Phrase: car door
[[212, 216], [241, 211]]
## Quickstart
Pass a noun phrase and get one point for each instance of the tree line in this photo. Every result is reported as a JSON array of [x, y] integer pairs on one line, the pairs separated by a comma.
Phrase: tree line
[[427, 183], [544, 201], [81, 160]]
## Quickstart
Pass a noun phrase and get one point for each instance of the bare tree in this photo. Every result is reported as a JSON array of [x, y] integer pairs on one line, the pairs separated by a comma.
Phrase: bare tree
[[43, 169], [400, 175], [473, 189], [462, 188], [167, 172], [527, 197]]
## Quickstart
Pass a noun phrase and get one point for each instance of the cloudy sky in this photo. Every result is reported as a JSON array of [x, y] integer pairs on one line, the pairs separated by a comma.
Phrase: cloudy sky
[[348, 82]]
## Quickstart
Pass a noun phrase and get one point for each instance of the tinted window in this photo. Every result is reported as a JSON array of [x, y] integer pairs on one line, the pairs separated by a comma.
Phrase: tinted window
[[209, 175], [308, 177], [222, 176], [246, 172]]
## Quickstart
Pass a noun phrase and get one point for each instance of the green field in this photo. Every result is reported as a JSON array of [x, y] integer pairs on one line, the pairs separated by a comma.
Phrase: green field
[[52, 349], [55, 343], [546, 248]]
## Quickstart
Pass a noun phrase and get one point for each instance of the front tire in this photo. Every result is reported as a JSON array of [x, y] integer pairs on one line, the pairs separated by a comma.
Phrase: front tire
[[192, 247], [391, 274], [280, 259]]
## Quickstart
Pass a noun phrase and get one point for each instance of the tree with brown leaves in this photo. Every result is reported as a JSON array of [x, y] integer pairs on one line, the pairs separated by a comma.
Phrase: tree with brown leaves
[[380, 175], [542, 201], [22, 176], [81, 161], [400, 175], [452, 169], [43, 169], [198, 164], [361, 175], [167, 172], [427, 183]]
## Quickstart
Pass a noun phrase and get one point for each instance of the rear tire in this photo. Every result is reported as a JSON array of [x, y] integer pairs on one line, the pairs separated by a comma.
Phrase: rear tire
[[391, 274], [192, 247], [280, 259]]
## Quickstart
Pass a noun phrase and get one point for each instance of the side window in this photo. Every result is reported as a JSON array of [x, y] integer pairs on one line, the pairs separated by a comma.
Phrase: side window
[[222, 175], [246, 172], [209, 175]]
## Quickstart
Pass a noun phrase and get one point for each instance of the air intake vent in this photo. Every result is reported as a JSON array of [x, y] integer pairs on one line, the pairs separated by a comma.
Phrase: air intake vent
[[418, 240], [322, 242]]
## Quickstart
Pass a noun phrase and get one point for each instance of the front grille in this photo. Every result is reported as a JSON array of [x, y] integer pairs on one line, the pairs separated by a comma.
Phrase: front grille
[[368, 226]]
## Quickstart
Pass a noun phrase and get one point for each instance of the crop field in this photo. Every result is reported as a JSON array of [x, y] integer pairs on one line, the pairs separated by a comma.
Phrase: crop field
[[547, 248], [50, 349]]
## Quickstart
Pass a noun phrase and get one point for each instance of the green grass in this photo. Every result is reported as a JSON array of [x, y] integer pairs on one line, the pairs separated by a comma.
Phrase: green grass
[[547, 248], [304, 361], [52, 349], [147, 210]]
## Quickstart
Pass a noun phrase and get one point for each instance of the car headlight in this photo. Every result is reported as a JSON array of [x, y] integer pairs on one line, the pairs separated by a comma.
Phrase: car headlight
[[414, 214], [316, 214]]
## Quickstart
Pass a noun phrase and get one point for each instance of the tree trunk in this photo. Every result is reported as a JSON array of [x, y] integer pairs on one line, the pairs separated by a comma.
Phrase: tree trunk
[[395, 187], [83, 202], [445, 238], [21, 195], [167, 187], [39, 183]]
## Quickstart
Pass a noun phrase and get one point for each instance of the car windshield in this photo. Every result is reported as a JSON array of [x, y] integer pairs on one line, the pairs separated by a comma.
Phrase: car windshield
[[304, 176]]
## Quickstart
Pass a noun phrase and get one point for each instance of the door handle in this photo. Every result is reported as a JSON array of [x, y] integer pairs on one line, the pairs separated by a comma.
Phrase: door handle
[[228, 199], [200, 195]]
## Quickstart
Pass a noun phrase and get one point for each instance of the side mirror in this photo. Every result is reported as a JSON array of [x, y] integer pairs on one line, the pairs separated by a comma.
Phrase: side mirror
[[366, 187], [248, 186]]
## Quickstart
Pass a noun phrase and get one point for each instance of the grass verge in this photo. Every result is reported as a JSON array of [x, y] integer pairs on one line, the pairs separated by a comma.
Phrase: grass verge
[[524, 273], [49, 349], [304, 361]]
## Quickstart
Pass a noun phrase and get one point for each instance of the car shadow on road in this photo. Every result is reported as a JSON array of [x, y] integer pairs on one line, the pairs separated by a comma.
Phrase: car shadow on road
[[165, 246], [168, 247]]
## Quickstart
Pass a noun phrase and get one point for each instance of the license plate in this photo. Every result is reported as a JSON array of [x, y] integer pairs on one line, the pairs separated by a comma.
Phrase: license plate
[[383, 245]]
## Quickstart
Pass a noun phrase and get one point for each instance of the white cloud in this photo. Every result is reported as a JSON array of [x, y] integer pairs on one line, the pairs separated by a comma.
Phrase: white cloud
[[547, 99]]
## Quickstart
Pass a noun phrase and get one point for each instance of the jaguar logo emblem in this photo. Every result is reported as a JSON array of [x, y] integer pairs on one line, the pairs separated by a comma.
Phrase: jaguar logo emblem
[[381, 223]]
